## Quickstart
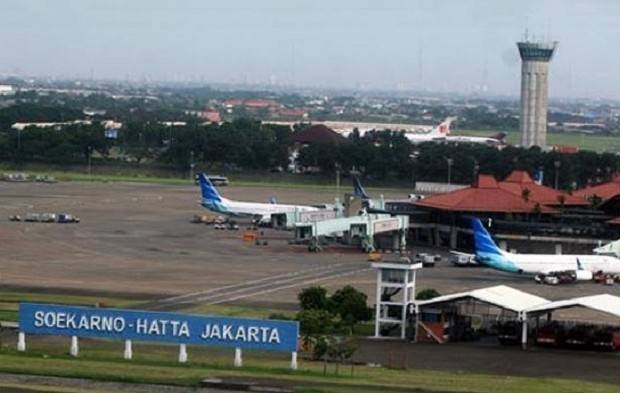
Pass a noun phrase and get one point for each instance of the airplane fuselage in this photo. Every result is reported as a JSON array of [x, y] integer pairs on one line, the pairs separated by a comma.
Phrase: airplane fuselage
[[252, 209], [545, 263]]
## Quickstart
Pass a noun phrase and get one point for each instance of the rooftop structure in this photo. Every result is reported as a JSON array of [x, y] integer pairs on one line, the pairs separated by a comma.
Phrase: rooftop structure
[[535, 57], [604, 191], [485, 195], [318, 134], [519, 181]]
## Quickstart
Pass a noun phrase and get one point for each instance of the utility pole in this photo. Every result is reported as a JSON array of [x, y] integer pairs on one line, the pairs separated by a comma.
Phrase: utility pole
[[450, 161], [90, 153], [557, 164], [191, 165]]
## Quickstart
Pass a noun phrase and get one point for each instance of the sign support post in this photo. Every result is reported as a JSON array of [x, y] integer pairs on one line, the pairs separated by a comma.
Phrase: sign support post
[[183, 353], [294, 360], [21, 342], [128, 353], [74, 350], [238, 359]]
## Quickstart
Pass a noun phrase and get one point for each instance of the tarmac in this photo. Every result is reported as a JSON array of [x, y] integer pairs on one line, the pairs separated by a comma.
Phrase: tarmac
[[136, 240]]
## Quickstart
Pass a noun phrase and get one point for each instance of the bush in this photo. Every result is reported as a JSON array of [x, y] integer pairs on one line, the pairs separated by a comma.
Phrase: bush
[[350, 305], [427, 294], [315, 322], [313, 298]]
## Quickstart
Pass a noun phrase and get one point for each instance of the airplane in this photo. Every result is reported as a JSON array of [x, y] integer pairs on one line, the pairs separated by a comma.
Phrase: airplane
[[612, 248], [548, 268], [212, 200], [358, 189], [441, 133], [437, 134]]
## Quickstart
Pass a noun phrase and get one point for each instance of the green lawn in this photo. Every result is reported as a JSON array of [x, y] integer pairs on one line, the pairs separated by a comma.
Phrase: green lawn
[[152, 367], [238, 311], [9, 301], [597, 143]]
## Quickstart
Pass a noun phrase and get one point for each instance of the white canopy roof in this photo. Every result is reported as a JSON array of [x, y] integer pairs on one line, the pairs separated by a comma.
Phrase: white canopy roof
[[606, 303], [501, 296]]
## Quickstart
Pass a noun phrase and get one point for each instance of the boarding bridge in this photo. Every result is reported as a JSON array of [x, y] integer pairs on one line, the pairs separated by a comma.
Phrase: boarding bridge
[[325, 212], [355, 229]]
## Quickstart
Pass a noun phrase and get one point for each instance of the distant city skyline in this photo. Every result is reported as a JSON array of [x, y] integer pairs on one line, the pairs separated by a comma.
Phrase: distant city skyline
[[451, 46]]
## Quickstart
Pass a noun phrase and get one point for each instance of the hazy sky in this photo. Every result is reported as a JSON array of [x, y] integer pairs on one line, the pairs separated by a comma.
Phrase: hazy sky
[[447, 45]]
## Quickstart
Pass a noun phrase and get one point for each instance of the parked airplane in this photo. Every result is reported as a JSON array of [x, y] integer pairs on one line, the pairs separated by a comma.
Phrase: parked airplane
[[612, 248], [548, 268], [441, 133], [358, 189], [437, 134], [213, 201]]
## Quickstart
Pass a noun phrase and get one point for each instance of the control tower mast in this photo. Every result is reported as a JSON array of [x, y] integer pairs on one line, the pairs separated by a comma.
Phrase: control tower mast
[[535, 58]]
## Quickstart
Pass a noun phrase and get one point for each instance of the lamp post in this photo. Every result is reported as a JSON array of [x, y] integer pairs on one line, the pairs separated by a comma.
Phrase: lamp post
[[556, 165], [90, 153], [192, 165], [476, 169], [450, 161]]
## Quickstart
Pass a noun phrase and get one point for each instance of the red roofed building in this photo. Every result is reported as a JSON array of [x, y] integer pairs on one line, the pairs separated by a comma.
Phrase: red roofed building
[[485, 196], [519, 181], [604, 191], [260, 104], [318, 133]]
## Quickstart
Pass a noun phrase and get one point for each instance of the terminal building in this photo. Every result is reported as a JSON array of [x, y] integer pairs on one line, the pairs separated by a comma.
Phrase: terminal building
[[524, 215]]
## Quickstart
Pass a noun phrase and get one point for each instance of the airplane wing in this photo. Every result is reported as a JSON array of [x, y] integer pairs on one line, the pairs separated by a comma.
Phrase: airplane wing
[[465, 254]]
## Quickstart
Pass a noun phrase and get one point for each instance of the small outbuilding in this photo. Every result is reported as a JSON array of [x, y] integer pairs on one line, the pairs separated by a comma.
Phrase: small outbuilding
[[460, 316]]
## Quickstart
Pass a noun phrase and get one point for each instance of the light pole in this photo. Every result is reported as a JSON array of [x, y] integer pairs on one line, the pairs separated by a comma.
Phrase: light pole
[[450, 161], [337, 179], [556, 165], [476, 169], [90, 153], [191, 165]]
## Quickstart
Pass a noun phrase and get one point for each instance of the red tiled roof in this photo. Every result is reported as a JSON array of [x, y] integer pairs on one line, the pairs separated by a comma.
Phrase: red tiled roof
[[605, 191], [614, 221], [518, 181], [485, 195], [260, 103], [318, 133]]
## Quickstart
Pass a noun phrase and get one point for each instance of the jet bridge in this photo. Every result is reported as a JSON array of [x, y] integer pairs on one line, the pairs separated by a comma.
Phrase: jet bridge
[[359, 229], [288, 220]]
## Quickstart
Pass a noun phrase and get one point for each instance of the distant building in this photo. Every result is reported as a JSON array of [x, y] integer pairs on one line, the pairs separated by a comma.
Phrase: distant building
[[318, 133], [6, 90]]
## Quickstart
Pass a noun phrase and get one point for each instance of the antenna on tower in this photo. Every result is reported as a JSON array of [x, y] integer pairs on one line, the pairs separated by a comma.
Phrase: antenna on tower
[[526, 35]]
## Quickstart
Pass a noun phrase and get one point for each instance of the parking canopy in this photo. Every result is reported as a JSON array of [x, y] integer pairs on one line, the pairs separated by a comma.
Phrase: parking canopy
[[501, 296], [605, 303]]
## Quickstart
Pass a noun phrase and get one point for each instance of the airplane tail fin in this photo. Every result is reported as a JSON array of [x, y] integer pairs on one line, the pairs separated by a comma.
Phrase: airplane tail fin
[[443, 128], [358, 189], [484, 243], [207, 189]]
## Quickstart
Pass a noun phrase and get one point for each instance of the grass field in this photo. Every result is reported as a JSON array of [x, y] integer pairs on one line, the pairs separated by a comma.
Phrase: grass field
[[154, 365], [242, 180], [9, 302], [585, 142]]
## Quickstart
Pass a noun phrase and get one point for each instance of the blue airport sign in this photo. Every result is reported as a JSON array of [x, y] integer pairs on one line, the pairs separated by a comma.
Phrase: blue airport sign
[[60, 320]]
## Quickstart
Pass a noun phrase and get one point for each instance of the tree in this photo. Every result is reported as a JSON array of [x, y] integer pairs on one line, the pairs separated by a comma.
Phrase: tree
[[340, 350], [350, 305], [313, 298], [315, 322], [426, 294]]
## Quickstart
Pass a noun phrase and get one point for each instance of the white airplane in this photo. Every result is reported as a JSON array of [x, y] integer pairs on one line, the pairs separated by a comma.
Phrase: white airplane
[[441, 133], [213, 201], [436, 134], [544, 266], [612, 248]]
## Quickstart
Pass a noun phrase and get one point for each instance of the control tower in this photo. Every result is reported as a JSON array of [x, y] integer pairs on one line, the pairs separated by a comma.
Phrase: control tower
[[535, 58]]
